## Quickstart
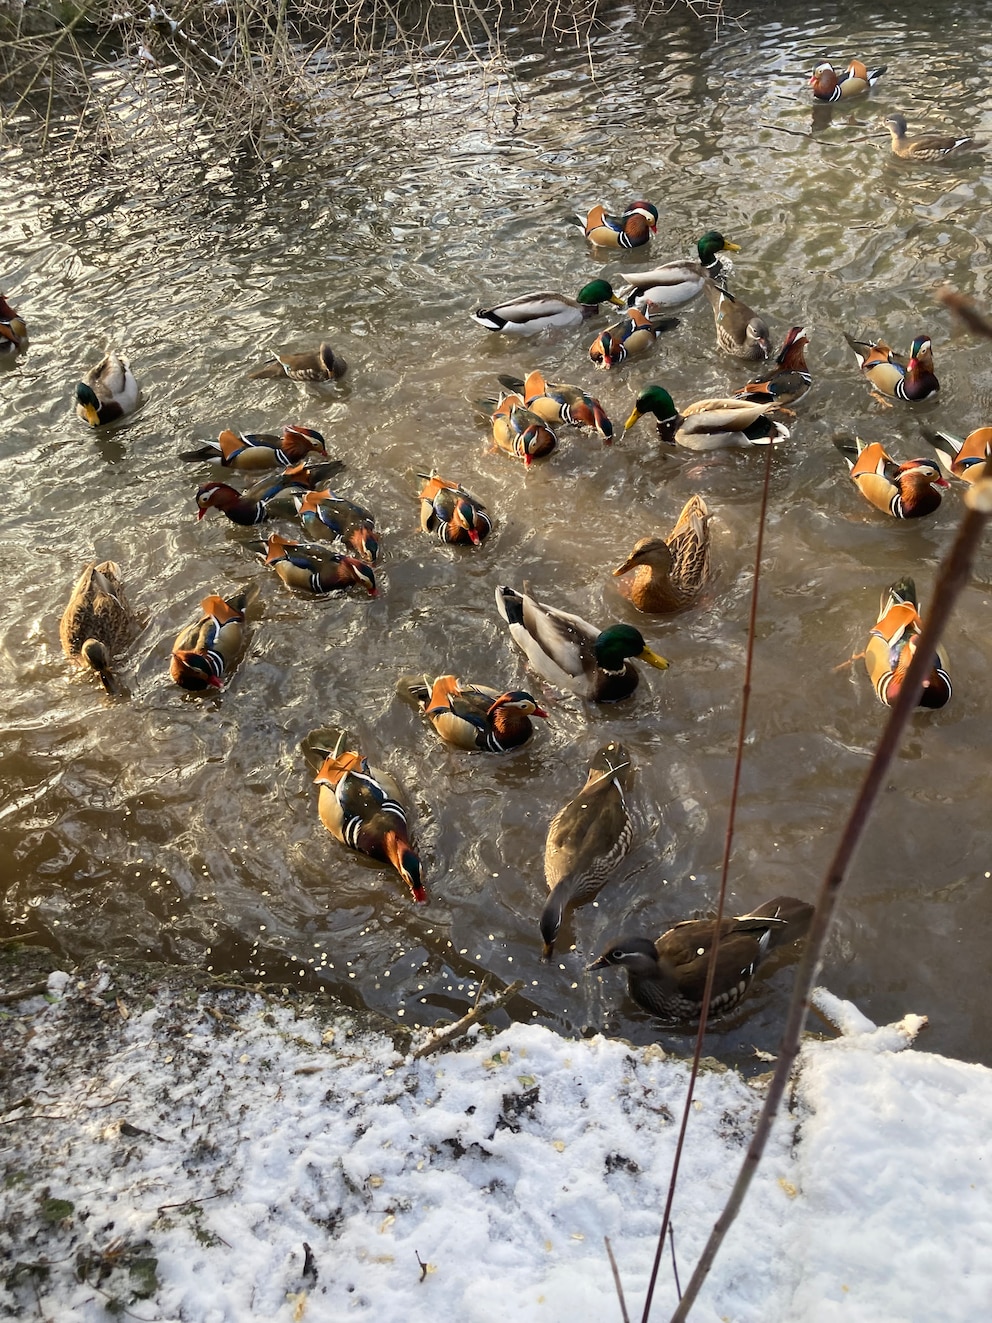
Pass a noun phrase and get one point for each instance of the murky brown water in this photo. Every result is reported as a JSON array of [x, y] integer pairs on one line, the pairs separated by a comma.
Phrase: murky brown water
[[187, 828]]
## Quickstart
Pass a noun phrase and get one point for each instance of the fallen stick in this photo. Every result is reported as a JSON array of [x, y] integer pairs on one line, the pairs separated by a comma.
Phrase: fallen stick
[[465, 1023]]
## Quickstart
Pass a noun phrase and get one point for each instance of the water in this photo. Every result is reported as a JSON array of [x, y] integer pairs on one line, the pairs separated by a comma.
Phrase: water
[[186, 829]]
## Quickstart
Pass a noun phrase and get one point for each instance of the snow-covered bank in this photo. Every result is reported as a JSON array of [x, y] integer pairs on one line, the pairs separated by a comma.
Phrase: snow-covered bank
[[175, 1153]]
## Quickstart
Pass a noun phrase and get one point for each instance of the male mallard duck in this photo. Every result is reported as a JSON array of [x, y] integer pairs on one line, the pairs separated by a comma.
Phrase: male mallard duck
[[669, 572], [964, 459], [857, 78], [558, 402], [262, 450], [450, 513], [529, 313], [631, 230], [709, 424], [891, 646], [321, 364], [325, 513], [475, 716], [889, 375], [205, 651], [14, 331], [788, 380], [97, 622], [929, 147], [905, 491], [572, 654], [740, 332], [631, 335], [667, 977], [586, 839], [679, 282], [520, 432], [108, 391], [311, 567]]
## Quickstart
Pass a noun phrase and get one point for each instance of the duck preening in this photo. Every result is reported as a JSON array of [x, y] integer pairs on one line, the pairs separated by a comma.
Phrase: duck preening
[[98, 623], [892, 645], [905, 491], [476, 716], [450, 513], [666, 574], [324, 514], [709, 424], [206, 651], [108, 391], [675, 283], [528, 314], [321, 364]]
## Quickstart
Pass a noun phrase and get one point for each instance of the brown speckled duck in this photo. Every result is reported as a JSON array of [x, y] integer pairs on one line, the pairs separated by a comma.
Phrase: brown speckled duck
[[98, 623], [740, 332], [316, 365], [669, 572], [928, 147]]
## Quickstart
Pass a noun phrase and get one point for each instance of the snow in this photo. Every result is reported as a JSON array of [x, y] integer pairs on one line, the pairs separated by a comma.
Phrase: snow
[[199, 1141]]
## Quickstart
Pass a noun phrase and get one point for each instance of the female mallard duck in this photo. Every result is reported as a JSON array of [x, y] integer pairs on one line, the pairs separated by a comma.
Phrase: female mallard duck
[[964, 459], [856, 79], [572, 654], [631, 335], [586, 840], [98, 622], [311, 567], [788, 380], [249, 451], [905, 491], [108, 391], [631, 230], [474, 716], [889, 375], [740, 332], [450, 513], [669, 572], [709, 424], [321, 364], [929, 147], [207, 650], [667, 977], [326, 514], [558, 402], [530, 313], [520, 432], [892, 644], [675, 283], [14, 331]]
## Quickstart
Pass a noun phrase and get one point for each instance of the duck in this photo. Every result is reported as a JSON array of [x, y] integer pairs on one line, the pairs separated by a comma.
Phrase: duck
[[279, 490], [856, 79], [669, 572], [633, 334], [571, 653], [321, 364], [13, 329], [586, 839], [476, 716], [249, 451], [667, 976], [718, 424], [675, 283], [362, 807], [740, 332], [324, 512], [905, 491], [98, 623], [892, 645], [788, 380], [206, 651], [520, 432], [964, 459], [558, 402], [929, 147], [311, 567], [633, 229], [451, 514], [889, 376], [108, 391], [529, 314], [243, 510]]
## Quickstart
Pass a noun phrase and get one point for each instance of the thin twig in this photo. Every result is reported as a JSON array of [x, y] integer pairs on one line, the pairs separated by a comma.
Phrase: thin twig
[[465, 1023]]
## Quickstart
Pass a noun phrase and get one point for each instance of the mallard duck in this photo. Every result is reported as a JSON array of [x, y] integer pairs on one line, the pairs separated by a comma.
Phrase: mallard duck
[[669, 572], [475, 716], [108, 391], [891, 646], [449, 512], [325, 513], [572, 654], [889, 375], [321, 364], [856, 79], [207, 650], [633, 334], [248, 451], [520, 432], [633, 229], [587, 839], [675, 283], [709, 424], [667, 977], [740, 332], [788, 380], [964, 459], [558, 402], [14, 331], [905, 491], [929, 147], [97, 623], [530, 313], [311, 567]]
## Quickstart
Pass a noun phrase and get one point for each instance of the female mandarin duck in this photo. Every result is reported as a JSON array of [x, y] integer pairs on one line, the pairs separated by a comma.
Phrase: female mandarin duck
[[856, 79], [788, 380], [669, 572], [474, 716], [709, 424], [676, 283], [530, 313], [326, 514], [586, 840], [250, 451], [97, 623], [929, 147], [206, 651], [450, 513], [632, 335], [558, 402], [362, 808], [569, 652], [631, 230], [905, 491], [888, 375], [311, 567], [667, 977], [740, 332], [108, 391], [13, 329], [964, 459], [892, 644], [520, 432], [321, 364]]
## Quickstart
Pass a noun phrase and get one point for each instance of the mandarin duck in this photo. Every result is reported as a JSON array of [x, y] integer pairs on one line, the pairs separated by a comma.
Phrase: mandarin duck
[[892, 644], [449, 512], [964, 459], [311, 567], [326, 514], [263, 450], [530, 313], [558, 402], [669, 572], [631, 230], [321, 364], [98, 622], [362, 808], [633, 334], [586, 839], [709, 424], [206, 651], [740, 332], [928, 147], [108, 391], [667, 977], [676, 283], [856, 79], [905, 491], [239, 509], [890, 376], [520, 432], [279, 490], [788, 380], [13, 329], [475, 716], [572, 654]]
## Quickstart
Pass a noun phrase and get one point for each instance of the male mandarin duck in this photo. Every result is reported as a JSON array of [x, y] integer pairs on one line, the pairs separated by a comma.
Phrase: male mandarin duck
[[98, 622], [558, 402], [905, 491], [263, 450], [279, 490], [740, 332], [13, 329], [569, 652], [108, 391], [321, 364], [964, 459], [475, 716], [586, 839], [709, 424], [325, 514], [520, 432], [788, 380], [888, 375], [891, 646], [206, 651], [669, 572], [450, 513], [527, 314], [631, 230], [856, 79], [633, 334], [667, 977], [239, 509], [928, 147], [311, 567], [676, 283]]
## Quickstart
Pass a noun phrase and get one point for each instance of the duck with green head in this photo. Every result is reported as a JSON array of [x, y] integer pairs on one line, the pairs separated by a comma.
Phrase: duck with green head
[[718, 424], [675, 283], [527, 314]]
